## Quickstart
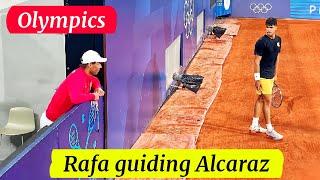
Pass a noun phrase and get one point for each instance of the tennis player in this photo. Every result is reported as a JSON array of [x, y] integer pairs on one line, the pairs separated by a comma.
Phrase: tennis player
[[266, 63]]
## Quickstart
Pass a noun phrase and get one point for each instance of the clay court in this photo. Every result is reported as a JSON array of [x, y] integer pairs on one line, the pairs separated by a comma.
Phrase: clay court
[[228, 119]]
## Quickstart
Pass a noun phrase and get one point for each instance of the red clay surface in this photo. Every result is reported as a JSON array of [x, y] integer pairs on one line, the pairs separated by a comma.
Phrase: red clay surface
[[298, 119]]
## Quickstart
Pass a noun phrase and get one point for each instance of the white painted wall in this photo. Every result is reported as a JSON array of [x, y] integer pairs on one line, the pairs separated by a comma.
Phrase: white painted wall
[[4, 4], [200, 26], [31, 65], [172, 61], [1, 66]]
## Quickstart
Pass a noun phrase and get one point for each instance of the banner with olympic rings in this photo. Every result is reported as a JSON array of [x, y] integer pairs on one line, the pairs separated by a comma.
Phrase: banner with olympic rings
[[261, 8]]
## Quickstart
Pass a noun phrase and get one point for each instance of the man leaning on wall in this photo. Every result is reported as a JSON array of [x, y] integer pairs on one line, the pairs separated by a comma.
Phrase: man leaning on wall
[[79, 86]]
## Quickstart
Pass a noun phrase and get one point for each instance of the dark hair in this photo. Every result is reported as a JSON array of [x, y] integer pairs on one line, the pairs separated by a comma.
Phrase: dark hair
[[271, 21], [85, 65]]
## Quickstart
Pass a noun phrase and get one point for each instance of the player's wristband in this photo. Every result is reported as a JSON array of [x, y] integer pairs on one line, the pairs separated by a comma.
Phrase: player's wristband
[[257, 76]]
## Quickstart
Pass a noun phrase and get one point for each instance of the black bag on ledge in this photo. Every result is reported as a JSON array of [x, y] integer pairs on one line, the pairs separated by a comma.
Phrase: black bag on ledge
[[216, 30], [191, 82]]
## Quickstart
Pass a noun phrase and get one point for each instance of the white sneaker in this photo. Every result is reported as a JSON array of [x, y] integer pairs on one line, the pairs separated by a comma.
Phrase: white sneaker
[[257, 129], [274, 135]]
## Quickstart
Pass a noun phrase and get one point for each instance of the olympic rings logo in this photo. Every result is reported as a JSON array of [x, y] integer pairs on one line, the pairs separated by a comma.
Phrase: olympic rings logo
[[260, 8]]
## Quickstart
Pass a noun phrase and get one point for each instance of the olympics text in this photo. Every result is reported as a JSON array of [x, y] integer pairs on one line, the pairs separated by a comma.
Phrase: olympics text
[[61, 19]]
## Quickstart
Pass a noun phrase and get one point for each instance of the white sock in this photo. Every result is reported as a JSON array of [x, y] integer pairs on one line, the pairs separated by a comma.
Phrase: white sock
[[255, 121], [269, 127]]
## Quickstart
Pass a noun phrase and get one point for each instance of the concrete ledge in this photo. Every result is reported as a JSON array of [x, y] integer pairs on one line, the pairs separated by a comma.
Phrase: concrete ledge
[[179, 121]]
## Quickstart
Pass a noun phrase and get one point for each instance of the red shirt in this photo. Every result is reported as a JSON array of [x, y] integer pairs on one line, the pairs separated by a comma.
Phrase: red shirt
[[75, 89]]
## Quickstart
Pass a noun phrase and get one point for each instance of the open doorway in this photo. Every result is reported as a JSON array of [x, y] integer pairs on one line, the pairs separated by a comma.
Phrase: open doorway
[[77, 44]]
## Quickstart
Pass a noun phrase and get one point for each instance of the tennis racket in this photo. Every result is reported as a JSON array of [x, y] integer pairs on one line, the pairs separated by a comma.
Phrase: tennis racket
[[276, 96]]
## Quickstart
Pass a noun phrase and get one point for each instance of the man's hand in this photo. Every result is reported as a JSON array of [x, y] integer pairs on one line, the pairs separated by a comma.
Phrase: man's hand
[[100, 92], [258, 85], [96, 96]]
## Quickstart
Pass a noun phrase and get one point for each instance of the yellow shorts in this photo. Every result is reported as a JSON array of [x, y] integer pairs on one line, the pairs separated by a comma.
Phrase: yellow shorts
[[266, 86]]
